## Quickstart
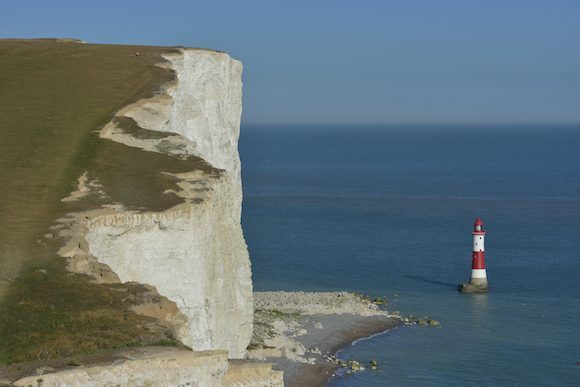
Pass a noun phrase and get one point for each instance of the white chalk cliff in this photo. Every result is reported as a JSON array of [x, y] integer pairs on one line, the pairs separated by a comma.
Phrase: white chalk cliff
[[194, 253]]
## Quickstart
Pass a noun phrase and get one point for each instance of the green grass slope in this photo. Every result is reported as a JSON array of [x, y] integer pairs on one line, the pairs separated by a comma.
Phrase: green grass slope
[[54, 96]]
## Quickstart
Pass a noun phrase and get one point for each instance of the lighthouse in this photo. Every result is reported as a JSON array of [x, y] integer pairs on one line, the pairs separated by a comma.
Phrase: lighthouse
[[478, 281]]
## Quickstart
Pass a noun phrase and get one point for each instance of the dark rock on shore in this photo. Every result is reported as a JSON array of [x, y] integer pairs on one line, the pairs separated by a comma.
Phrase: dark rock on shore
[[470, 288]]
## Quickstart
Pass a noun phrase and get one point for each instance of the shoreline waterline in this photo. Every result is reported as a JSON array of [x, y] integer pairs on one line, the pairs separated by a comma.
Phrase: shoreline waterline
[[321, 374], [301, 332]]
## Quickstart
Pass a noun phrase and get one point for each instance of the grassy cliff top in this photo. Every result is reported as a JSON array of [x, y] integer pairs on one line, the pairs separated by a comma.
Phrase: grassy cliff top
[[55, 94]]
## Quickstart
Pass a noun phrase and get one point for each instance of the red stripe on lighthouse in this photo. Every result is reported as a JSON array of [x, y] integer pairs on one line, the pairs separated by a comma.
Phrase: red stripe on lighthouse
[[478, 260]]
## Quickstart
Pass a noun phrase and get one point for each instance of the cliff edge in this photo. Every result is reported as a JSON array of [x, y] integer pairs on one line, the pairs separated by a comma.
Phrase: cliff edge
[[193, 253]]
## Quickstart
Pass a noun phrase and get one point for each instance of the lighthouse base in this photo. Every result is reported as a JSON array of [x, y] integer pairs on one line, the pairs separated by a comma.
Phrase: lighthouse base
[[473, 288]]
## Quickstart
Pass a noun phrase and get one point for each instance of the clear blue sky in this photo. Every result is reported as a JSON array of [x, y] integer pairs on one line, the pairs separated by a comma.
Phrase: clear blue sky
[[353, 61]]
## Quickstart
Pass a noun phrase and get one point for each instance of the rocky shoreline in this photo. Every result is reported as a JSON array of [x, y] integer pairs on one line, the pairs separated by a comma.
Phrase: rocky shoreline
[[300, 332]]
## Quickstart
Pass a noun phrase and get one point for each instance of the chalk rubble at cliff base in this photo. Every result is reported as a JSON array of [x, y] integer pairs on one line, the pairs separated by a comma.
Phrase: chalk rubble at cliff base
[[157, 367], [300, 332]]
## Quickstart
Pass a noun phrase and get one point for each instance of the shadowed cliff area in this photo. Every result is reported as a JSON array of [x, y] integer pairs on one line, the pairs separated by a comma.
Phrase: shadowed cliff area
[[54, 96]]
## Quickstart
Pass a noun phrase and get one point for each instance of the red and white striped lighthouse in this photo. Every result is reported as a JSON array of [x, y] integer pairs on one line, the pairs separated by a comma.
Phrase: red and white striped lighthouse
[[478, 274], [478, 281]]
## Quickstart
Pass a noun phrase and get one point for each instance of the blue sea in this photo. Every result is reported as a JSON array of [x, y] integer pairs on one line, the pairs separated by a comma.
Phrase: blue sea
[[388, 211]]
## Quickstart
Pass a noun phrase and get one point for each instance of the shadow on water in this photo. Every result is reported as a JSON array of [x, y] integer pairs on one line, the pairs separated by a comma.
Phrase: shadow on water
[[431, 281]]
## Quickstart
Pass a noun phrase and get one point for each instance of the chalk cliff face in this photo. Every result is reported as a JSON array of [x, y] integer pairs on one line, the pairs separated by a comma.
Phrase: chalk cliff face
[[193, 253]]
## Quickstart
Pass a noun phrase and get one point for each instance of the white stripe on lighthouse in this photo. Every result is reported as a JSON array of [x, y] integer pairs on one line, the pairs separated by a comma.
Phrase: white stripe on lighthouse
[[478, 243], [478, 273]]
